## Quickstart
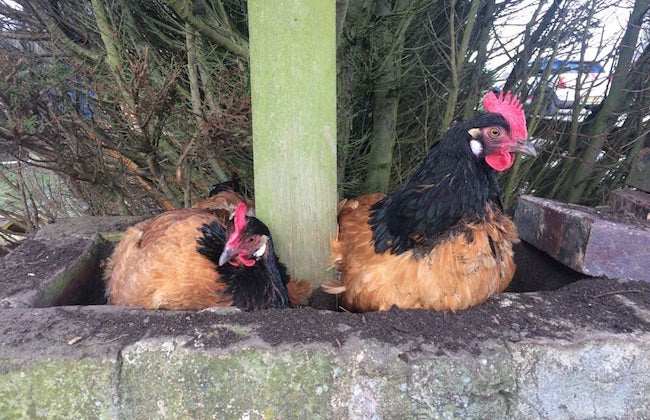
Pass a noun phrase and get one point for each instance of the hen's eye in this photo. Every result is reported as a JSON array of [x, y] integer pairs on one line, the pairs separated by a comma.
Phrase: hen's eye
[[494, 132]]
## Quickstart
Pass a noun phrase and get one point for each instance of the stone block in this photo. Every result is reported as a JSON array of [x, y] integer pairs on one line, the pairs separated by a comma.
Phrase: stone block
[[639, 176], [251, 383], [60, 265], [56, 388], [587, 240], [88, 227], [51, 272], [630, 202], [580, 352]]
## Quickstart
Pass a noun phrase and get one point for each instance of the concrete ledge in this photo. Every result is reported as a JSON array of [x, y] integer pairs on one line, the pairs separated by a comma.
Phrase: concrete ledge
[[43, 273], [87, 227], [581, 352]]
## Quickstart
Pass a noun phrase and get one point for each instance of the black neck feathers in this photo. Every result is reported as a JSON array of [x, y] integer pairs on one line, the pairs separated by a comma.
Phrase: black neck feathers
[[260, 286], [450, 185]]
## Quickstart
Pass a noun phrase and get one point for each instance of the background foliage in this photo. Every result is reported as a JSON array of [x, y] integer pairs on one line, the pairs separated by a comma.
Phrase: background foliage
[[122, 107]]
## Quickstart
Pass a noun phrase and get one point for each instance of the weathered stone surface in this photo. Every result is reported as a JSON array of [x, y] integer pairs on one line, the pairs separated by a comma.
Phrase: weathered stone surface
[[584, 239], [581, 352], [45, 273], [56, 388], [630, 202], [639, 176], [60, 265], [586, 391], [255, 381], [87, 227]]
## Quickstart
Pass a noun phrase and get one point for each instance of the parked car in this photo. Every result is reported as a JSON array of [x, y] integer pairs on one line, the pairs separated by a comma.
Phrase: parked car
[[559, 90]]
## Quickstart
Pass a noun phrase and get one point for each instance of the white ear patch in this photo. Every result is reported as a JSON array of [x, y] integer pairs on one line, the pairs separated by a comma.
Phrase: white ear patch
[[476, 147], [260, 251]]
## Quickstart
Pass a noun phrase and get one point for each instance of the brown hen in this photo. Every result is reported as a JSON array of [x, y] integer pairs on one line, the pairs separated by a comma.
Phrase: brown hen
[[441, 241], [177, 260]]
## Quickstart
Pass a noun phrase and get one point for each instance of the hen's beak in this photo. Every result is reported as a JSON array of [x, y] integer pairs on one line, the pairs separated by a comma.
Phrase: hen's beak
[[523, 147], [226, 256], [474, 132]]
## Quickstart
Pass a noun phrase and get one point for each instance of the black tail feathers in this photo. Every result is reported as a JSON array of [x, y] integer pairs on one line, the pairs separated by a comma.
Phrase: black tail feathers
[[231, 185]]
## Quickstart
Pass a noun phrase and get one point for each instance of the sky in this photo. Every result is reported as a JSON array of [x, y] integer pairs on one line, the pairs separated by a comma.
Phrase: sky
[[613, 20]]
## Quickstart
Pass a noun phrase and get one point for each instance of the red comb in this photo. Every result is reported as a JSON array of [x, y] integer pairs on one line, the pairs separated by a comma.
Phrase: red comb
[[511, 109], [240, 223], [240, 217]]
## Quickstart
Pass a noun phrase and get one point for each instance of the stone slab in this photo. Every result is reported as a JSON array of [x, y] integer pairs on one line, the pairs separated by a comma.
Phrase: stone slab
[[42, 273], [52, 388], [59, 266], [88, 227], [581, 352], [639, 176], [630, 202], [587, 240]]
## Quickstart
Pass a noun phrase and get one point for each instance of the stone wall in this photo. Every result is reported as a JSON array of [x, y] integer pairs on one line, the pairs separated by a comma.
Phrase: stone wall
[[581, 352]]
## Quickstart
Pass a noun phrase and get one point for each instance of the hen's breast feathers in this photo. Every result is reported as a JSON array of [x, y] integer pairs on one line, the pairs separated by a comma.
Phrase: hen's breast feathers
[[463, 269]]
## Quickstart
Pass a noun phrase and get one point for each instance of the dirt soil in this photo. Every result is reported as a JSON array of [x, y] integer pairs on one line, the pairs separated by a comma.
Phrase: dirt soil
[[594, 304]]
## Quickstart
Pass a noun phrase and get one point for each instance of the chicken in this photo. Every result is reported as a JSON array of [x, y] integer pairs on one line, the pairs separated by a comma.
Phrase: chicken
[[441, 241], [223, 198], [197, 258]]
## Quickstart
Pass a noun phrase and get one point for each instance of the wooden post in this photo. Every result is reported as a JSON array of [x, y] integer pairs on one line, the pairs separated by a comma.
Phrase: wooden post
[[293, 78]]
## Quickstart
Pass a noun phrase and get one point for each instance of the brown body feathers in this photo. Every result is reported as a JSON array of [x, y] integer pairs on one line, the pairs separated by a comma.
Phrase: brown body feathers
[[463, 270], [157, 264]]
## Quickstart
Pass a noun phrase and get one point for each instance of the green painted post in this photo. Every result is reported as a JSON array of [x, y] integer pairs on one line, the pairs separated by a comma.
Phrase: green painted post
[[293, 78]]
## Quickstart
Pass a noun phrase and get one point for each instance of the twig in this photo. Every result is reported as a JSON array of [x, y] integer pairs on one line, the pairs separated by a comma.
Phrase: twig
[[620, 292], [13, 71], [108, 341]]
